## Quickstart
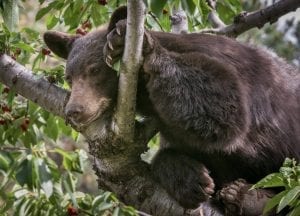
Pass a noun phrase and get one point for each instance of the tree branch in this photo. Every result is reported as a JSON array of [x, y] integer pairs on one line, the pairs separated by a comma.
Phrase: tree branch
[[130, 65], [213, 17], [37, 89], [246, 21]]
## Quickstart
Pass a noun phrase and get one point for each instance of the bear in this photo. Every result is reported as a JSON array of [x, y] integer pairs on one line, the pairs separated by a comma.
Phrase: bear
[[228, 113]]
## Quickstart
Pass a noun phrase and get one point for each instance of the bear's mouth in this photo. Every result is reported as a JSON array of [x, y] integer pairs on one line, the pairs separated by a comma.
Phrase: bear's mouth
[[101, 113]]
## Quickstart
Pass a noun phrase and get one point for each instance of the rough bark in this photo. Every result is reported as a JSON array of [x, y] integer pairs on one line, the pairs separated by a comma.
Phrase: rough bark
[[245, 21], [34, 88]]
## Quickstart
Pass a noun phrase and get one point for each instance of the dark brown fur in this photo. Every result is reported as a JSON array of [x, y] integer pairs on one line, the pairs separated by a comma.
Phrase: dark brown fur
[[226, 110]]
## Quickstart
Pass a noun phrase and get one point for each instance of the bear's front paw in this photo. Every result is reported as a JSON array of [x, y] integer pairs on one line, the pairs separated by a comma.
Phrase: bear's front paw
[[114, 46], [184, 178], [239, 200], [194, 187]]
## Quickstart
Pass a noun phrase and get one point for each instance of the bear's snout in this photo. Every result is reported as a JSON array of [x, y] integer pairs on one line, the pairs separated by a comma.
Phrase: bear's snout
[[74, 112]]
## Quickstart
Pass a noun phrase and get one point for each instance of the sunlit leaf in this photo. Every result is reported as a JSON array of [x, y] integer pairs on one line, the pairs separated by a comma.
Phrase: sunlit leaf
[[271, 180], [42, 12], [295, 211], [287, 199], [45, 177], [274, 202]]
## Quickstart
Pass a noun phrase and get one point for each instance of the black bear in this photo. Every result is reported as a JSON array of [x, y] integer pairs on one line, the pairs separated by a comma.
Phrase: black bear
[[226, 111]]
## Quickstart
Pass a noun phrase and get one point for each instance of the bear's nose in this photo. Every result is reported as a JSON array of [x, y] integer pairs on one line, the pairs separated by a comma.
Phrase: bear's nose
[[74, 111]]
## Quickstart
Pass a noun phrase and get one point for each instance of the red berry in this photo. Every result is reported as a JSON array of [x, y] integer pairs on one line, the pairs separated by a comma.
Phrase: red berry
[[46, 51], [80, 31], [102, 2], [26, 121], [24, 127], [165, 11], [72, 211], [25, 124], [86, 25], [5, 108], [5, 90], [2, 122], [17, 52]]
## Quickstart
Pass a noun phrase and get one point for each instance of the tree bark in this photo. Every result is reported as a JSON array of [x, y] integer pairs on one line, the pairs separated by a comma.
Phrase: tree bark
[[130, 65], [245, 21], [37, 89]]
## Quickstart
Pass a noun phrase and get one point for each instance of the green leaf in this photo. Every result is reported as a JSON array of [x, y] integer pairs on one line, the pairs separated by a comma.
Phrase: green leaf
[[205, 9], [57, 195], [51, 128], [52, 20], [104, 206], [25, 207], [24, 173], [116, 211], [10, 14], [45, 177], [288, 162], [42, 12], [157, 6], [96, 202], [295, 211], [189, 5], [288, 198], [33, 34], [273, 202], [69, 183], [272, 180], [128, 210], [97, 13], [24, 46], [5, 161], [73, 161]]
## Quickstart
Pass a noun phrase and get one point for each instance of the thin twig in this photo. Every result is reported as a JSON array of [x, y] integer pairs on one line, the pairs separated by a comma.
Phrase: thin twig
[[156, 20], [213, 16]]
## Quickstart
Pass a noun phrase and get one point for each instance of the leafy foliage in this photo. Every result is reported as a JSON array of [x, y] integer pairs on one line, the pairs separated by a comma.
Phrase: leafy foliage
[[288, 177]]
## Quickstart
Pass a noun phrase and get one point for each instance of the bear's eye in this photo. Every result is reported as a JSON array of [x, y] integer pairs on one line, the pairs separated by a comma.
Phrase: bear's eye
[[93, 71]]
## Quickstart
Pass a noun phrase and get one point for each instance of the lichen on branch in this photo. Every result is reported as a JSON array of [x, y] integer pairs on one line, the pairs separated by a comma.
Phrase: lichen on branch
[[130, 65]]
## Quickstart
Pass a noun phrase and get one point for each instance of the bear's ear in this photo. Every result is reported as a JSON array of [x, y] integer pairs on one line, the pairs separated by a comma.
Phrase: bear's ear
[[59, 43], [119, 14]]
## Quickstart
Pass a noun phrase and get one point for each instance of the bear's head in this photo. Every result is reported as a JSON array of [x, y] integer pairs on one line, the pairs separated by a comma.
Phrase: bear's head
[[93, 84]]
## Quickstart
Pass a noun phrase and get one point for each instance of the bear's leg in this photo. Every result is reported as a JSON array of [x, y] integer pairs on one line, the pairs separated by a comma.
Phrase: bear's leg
[[239, 200], [185, 179]]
